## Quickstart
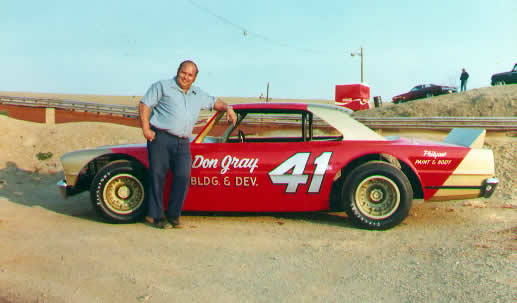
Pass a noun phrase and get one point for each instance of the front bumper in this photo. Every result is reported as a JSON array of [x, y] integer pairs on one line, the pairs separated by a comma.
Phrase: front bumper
[[62, 186], [66, 190], [488, 187]]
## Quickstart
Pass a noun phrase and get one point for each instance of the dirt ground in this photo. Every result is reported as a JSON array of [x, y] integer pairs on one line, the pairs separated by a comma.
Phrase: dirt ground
[[56, 250]]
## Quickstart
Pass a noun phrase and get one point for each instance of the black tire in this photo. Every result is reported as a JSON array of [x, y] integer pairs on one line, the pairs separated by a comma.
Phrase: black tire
[[377, 195], [118, 191]]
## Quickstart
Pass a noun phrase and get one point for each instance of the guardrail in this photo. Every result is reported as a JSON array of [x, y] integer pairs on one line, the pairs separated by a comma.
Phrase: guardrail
[[110, 109], [437, 123], [441, 123]]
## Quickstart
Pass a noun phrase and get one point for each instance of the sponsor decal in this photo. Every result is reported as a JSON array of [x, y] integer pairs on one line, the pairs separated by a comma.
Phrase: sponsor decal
[[434, 154], [224, 181], [435, 161], [228, 162], [289, 173], [224, 165]]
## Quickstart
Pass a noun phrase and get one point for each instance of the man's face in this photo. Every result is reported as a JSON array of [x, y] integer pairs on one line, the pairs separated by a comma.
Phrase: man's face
[[186, 76]]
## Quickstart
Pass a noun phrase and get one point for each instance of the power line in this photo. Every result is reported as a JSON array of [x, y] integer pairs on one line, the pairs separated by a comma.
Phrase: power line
[[206, 10], [246, 32]]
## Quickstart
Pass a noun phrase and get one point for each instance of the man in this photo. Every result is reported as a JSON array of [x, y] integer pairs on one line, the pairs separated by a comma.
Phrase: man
[[168, 113], [463, 78]]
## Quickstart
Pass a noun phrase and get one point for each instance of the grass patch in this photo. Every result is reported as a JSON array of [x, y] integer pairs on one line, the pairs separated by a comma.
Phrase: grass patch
[[4, 113], [44, 156]]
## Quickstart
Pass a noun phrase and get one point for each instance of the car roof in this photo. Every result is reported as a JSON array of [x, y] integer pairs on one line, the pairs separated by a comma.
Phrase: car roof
[[338, 117], [267, 105]]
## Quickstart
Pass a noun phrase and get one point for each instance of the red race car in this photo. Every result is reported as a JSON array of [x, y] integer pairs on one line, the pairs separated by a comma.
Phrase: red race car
[[424, 91], [293, 158]]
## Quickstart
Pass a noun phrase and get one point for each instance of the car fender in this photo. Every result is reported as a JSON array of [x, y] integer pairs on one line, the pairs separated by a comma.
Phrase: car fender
[[74, 162]]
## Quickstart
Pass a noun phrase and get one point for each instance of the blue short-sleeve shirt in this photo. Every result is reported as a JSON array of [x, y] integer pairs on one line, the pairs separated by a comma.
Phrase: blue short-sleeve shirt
[[174, 110]]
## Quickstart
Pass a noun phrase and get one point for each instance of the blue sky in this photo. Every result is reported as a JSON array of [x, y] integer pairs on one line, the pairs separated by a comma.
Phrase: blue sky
[[302, 48]]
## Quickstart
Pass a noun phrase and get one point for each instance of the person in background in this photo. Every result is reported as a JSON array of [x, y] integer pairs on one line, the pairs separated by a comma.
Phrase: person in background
[[463, 79], [168, 113]]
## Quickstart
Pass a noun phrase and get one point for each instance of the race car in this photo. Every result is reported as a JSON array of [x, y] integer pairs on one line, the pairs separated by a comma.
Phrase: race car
[[293, 157], [424, 91]]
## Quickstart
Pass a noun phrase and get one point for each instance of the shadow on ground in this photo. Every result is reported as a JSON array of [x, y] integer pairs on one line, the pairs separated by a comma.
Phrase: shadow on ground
[[38, 189], [323, 218]]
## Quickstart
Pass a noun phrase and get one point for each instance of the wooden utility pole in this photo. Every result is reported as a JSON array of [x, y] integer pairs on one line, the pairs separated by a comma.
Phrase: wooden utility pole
[[362, 56], [267, 92]]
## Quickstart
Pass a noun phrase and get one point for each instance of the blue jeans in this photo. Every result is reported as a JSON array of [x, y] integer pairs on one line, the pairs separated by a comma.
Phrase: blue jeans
[[166, 152], [463, 86]]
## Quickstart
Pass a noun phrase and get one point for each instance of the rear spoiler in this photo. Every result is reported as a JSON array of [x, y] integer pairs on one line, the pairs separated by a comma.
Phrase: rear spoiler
[[468, 137]]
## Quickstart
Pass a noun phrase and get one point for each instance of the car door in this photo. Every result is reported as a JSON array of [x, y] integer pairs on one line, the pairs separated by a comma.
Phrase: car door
[[272, 166], [424, 91], [416, 92]]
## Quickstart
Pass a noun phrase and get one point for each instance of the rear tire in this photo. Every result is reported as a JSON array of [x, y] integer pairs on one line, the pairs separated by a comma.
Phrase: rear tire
[[118, 191], [377, 195]]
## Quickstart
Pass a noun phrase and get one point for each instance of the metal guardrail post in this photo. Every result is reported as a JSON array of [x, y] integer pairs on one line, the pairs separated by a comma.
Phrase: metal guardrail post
[[50, 116]]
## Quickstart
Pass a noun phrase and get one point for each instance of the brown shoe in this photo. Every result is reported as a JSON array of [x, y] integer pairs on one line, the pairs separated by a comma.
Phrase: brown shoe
[[161, 223], [175, 222]]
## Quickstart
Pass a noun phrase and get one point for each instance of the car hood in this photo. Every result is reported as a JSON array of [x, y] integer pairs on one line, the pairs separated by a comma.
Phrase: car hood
[[500, 74]]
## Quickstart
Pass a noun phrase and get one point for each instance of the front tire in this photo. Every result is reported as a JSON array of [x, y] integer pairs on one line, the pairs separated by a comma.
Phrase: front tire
[[377, 195], [118, 191]]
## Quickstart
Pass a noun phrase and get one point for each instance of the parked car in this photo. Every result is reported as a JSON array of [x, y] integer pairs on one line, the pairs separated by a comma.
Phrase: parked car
[[293, 158], [424, 91], [505, 78]]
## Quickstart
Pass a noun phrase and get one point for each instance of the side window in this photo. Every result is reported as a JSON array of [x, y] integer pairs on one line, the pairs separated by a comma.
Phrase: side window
[[268, 127], [257, 127], [322, 131]]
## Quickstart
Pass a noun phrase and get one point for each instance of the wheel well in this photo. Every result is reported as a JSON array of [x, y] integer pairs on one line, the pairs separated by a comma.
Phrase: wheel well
[[335, 193], [87, 174]]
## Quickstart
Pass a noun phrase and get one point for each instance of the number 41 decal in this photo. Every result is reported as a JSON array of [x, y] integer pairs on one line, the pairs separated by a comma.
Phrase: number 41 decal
[[297, 163]]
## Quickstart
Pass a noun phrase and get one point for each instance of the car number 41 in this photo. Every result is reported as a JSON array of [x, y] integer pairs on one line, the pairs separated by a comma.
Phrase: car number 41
[[290, 172]]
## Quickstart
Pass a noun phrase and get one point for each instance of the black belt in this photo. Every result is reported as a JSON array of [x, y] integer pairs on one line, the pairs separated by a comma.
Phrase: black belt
[[156, 129]]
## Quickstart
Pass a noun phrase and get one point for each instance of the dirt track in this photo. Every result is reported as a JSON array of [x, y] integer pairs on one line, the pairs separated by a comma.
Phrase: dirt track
[[57, 250]]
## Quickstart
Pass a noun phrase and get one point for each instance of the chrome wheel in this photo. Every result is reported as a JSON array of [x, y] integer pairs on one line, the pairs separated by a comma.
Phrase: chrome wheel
[[123, 194], [377, 197]]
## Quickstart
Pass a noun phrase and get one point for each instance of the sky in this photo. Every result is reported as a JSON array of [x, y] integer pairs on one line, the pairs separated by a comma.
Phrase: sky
[[301, 48]]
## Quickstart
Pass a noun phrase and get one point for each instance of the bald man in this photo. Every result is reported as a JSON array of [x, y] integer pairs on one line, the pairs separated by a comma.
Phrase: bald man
[[168, 113]]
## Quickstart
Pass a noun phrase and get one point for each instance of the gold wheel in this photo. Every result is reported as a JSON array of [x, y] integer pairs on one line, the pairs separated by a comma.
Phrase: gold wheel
[[123, 194], [377, 197]]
